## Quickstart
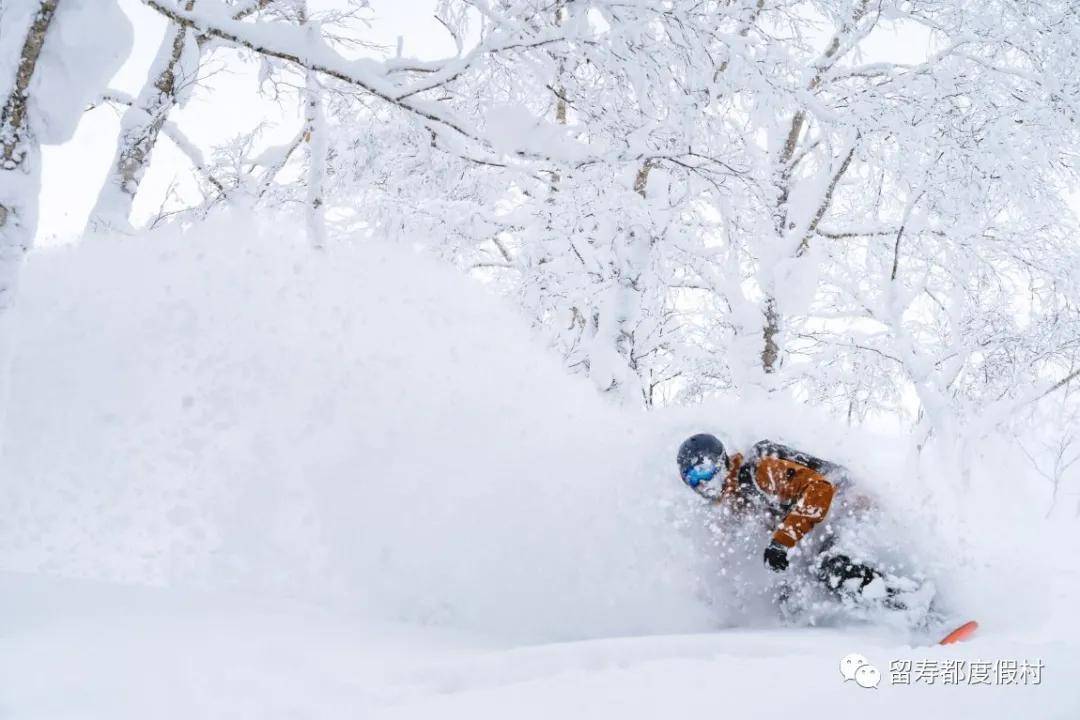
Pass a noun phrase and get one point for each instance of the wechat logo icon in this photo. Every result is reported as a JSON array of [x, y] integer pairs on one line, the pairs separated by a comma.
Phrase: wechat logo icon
[[858, 668]]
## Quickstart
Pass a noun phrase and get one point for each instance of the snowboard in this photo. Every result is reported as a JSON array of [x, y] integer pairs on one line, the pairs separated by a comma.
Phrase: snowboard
[[960, 634]]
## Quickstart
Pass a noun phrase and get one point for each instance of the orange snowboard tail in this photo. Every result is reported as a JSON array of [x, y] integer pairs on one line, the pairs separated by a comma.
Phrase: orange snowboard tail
[[961, 633]]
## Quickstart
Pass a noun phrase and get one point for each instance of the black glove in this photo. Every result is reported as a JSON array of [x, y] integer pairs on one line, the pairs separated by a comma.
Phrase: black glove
[[776, 557]]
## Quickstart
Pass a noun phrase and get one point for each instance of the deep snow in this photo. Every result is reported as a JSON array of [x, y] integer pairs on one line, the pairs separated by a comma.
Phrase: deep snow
[[360, 487], [77, 650]]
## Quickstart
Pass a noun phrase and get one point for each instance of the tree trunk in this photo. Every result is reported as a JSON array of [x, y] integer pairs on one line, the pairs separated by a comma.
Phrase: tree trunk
[[20, 179], [19, 167], [612, 363], [770, 353], [785, 167], [315, 137], [139, 130]]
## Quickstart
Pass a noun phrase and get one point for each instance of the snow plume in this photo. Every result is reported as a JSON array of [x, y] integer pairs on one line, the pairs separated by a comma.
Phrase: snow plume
[[223, 408]]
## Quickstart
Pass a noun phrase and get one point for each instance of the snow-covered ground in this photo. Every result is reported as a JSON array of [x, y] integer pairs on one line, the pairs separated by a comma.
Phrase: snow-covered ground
[[83, 650], [242, 480]]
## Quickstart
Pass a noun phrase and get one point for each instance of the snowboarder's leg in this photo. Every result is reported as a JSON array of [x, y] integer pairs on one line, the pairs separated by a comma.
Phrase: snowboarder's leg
[[865, 589], [841, 574]]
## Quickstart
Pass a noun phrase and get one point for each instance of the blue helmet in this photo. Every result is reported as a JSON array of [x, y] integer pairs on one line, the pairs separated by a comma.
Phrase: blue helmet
[[701, 457]]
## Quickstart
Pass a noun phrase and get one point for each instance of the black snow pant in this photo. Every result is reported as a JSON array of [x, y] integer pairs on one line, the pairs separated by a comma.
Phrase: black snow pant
[[834, 571]]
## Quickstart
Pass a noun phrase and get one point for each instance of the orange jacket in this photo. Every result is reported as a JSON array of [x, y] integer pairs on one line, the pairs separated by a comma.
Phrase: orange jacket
[[787, 481]]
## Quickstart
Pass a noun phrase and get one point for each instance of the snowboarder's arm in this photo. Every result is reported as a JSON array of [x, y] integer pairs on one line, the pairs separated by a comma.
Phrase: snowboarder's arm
[[810, 509]]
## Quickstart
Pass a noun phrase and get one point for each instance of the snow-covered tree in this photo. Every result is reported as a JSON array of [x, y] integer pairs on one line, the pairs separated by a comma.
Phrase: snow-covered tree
[[19, 164], [687, 197]]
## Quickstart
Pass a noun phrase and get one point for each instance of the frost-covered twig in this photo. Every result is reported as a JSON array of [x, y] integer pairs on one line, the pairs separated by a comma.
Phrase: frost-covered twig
[[286, 43]]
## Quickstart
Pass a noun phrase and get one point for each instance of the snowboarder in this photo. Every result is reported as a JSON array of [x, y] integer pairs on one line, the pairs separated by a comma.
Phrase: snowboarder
[[793, 492]]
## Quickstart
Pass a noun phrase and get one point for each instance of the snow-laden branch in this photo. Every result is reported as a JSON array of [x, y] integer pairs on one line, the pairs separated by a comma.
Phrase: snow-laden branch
[[172, 131], [292, 44], [1005, 410]]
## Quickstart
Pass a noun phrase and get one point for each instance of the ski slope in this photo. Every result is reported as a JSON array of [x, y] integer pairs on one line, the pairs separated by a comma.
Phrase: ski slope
[[244, 481]]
